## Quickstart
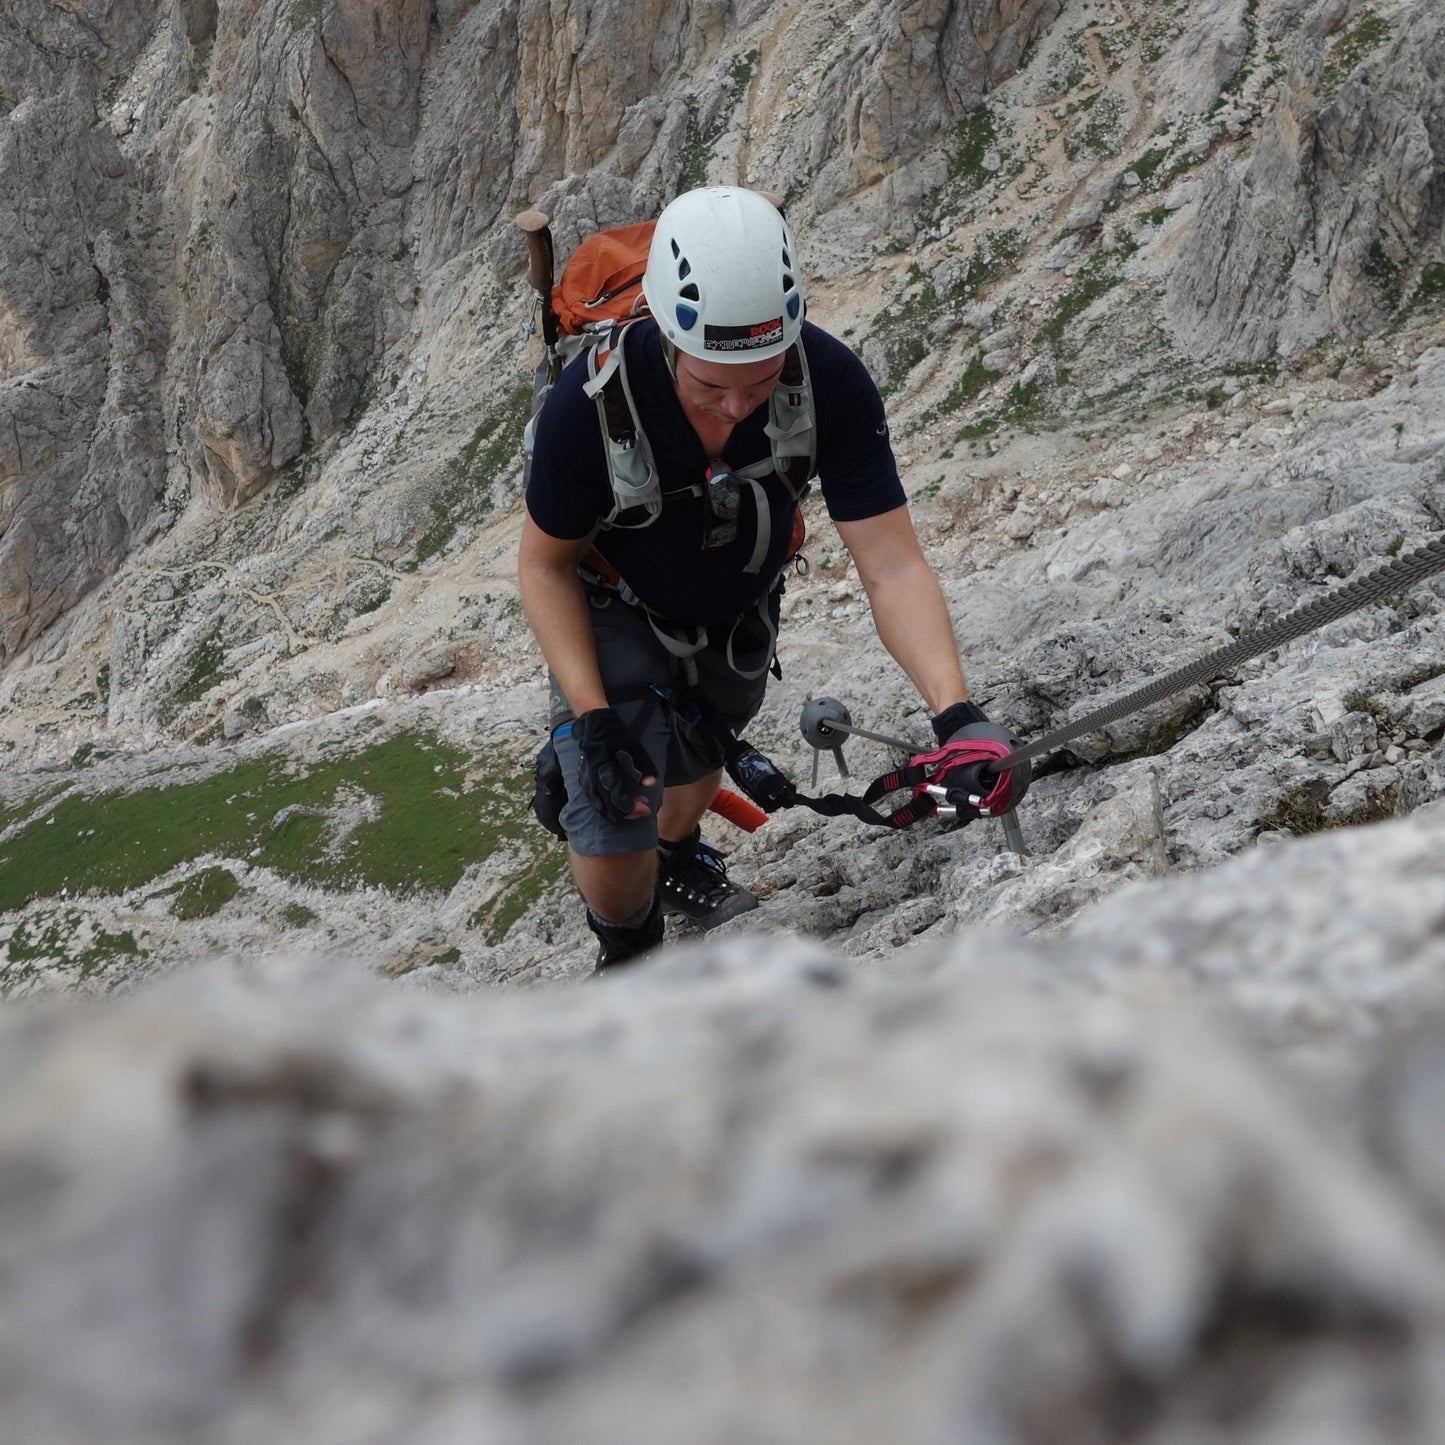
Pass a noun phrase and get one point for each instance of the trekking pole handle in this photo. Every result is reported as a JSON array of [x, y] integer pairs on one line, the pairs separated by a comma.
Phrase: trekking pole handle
[[536, 229]]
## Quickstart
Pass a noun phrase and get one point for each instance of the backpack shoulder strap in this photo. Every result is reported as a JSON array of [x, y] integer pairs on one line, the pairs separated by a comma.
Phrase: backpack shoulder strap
[[791, 427], [636, 491], [792, 423]]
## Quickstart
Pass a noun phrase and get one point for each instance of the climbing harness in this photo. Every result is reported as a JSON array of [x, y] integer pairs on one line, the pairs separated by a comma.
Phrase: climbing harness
[[637, 493]]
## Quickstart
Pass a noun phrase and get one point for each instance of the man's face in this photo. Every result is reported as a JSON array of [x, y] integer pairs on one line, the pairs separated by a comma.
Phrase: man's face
[[726, 390]]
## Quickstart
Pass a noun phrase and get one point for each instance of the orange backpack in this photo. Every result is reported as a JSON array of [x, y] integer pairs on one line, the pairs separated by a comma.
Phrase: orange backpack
[[602, 280]]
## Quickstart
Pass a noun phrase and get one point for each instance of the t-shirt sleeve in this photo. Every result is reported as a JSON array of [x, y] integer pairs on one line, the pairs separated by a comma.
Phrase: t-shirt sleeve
[[856, 468], [568, 491]]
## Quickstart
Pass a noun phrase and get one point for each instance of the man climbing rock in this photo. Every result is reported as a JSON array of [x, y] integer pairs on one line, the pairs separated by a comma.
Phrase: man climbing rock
[[661, 509]]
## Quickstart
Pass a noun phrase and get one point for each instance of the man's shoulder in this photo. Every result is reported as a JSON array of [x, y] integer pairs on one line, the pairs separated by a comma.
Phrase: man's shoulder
[[828, 356]]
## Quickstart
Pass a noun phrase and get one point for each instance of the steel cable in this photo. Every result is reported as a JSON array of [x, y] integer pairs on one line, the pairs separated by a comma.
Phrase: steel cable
[[1393, 577]]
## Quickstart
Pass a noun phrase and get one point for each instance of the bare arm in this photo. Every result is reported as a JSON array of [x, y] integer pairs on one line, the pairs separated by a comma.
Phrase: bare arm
[[907, 604], [556, 608]]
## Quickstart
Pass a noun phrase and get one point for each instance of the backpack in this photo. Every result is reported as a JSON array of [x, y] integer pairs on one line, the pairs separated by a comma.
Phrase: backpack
[[602, 280], [588, 309]]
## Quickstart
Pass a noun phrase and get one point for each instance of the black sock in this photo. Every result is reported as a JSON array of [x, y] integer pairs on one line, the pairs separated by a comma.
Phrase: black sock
[[637, 920], [667, 848]]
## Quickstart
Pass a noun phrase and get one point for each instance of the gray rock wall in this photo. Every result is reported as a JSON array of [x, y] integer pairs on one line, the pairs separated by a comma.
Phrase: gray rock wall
[[989, 1192], [1331, 223], [254, 196]]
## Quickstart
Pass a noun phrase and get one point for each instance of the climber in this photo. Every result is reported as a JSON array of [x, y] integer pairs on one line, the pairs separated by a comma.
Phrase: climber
[[651, 565]]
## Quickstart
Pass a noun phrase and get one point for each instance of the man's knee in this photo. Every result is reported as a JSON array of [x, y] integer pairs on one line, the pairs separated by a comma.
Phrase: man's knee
[[616, 885]]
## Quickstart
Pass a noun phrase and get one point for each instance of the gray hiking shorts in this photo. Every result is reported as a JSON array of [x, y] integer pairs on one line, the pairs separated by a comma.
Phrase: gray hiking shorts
[[649, 689]]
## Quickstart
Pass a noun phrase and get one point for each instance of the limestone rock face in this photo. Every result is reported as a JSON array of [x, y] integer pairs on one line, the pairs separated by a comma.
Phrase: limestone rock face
[[259, 200], [1132, 1135], [82, 458], [1340, 209], [990, 1191]]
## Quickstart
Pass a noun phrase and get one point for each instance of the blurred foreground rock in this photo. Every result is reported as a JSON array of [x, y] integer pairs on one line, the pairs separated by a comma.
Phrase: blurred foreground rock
[[994, 1191]]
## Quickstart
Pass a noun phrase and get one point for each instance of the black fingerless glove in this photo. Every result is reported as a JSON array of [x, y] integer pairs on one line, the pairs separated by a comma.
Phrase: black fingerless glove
[[951, 719], [613, 763]]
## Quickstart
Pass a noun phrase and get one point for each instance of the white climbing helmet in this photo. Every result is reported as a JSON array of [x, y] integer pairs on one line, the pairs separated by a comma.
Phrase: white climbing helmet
[[722, 276]]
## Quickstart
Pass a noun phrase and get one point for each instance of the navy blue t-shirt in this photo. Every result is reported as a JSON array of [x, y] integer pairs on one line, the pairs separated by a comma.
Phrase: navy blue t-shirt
[[665, 563]]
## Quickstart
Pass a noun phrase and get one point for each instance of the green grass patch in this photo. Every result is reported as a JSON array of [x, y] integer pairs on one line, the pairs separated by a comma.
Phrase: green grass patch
[[302, 13], [297, 915], [1067, 77], [1427, 672], [904, 352], [1299, 811], [14, 813], [698, 143], [902, 328], [205, 893], [741, 68], [1429, 293], [995, 253], [401, 815], [1147, 165], [974, 137], [966, 388], [1097, 136], [1352, 49], [1360, 701], [1023, 406], [203, 667], [526, 890], [700, 138], [1098, 275], [61, 941], [1302, 810], [1385, 275], [1236, 82]]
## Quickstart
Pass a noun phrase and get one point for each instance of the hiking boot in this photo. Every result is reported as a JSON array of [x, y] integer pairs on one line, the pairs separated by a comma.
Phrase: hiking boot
[[692, 880], [622, 942]]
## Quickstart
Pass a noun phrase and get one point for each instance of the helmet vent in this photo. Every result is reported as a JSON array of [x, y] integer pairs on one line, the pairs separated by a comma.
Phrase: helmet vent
[[684, 269], [686, 316], [690, 292]]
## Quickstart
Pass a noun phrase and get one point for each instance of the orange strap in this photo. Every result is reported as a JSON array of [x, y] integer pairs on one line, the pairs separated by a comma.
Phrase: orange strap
[[737, 810]]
